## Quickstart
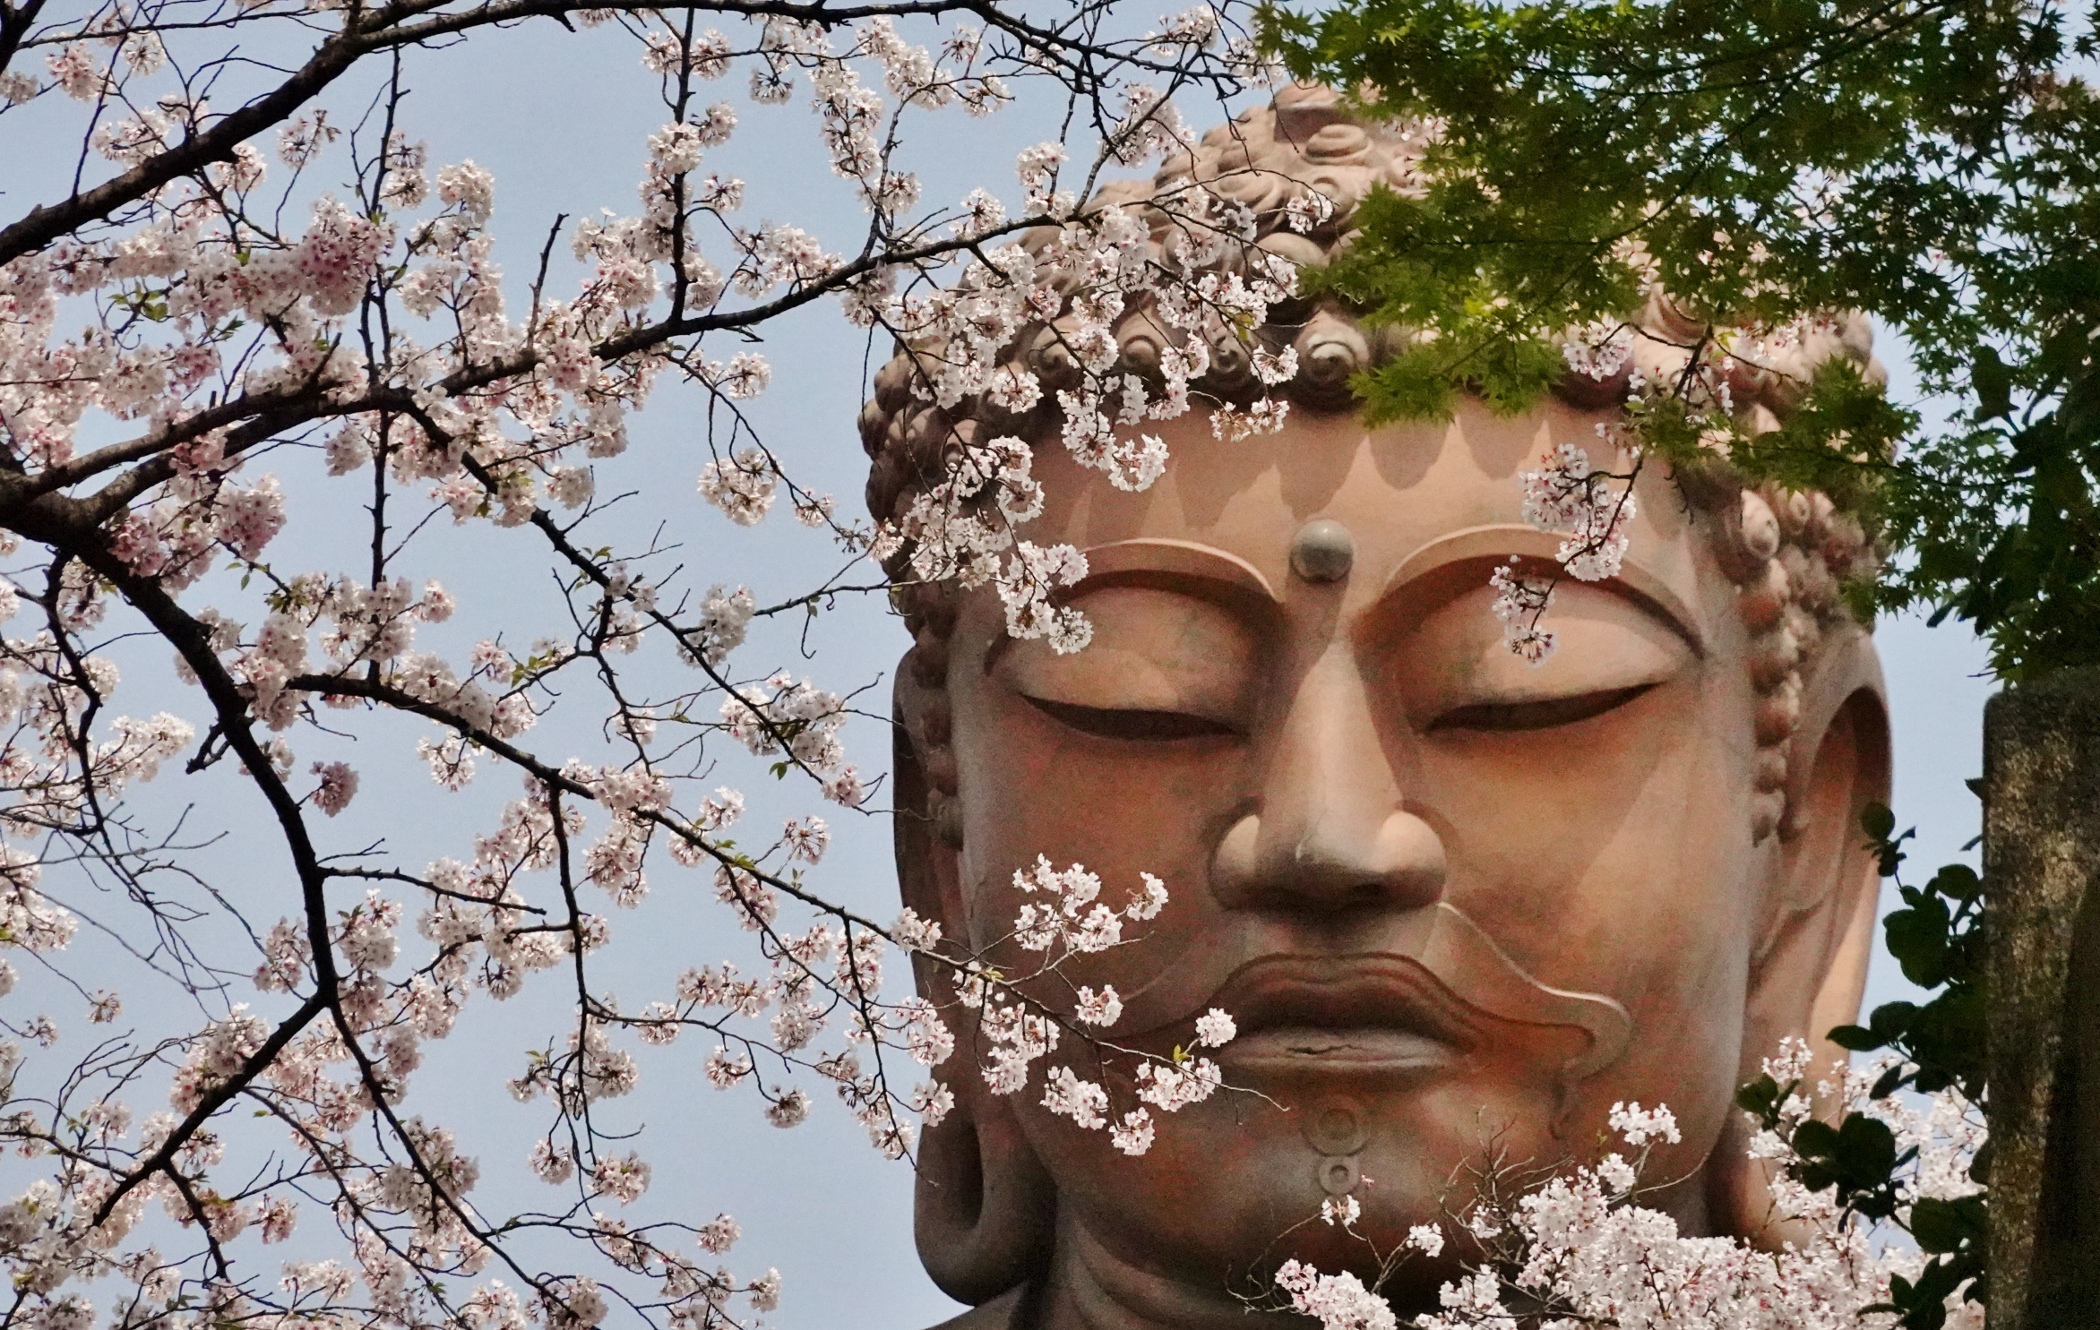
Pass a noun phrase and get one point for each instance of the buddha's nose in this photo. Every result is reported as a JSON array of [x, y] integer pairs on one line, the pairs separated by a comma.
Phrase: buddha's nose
[[1330, 832]]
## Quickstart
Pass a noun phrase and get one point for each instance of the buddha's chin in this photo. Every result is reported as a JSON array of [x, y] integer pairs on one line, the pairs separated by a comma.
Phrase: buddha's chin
[[1145, 1250], [1233, 1188]]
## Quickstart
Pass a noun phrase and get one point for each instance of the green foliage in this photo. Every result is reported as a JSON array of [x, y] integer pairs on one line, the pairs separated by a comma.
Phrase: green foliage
[[1933, 162], [1442, 279], [1938, 939]]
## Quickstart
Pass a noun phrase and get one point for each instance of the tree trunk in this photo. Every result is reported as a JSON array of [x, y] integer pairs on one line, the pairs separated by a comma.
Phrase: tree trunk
[[2041, 859]]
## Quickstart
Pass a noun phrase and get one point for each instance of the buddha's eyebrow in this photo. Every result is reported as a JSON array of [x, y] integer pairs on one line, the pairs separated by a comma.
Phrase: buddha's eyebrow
[[1182, 558], [1541, 550], [1125, 561]]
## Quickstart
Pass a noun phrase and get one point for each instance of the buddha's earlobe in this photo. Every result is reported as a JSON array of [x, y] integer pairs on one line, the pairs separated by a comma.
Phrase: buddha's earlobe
[[984, 1209], [1814, 929], [1838, 764], [1810, 966], [937, 762]]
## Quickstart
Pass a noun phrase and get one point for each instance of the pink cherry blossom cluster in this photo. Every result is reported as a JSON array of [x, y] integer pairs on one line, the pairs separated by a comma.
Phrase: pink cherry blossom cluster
[[1582, 1249], [1598, 350], [1075, 919], [801, 720], [1079, 275], [1019, 1029], [1590, 510], [1521, 601], [1338, 1302]]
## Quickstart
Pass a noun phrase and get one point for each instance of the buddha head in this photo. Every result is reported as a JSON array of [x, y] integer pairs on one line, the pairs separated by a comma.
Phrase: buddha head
[[1459, 904]]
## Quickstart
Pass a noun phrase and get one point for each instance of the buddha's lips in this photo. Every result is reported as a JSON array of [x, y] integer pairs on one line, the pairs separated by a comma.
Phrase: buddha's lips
[[1424, 985], [1344, 1012]]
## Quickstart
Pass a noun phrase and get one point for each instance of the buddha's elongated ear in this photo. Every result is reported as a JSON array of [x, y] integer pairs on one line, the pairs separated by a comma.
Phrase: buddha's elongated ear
[[984, 1209], [1816, 925]]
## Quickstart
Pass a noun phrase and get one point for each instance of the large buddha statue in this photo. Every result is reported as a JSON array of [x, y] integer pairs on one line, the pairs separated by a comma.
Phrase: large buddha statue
[[1459, 904]]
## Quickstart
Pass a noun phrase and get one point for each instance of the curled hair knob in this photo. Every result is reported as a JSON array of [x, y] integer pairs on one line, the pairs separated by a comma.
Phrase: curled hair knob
[[1231, 368], [1052, 361], [1340, 142], [1760, 526], [1762, 602], [874, 425], [1330, 352], [1304, 109], [1140, 345], [893, 383], [1303, 251]]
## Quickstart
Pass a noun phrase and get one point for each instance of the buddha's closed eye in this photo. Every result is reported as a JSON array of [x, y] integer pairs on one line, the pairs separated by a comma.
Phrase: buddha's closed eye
[[1544, 714], [1163, 666], [1133, 722], [1457, 676]]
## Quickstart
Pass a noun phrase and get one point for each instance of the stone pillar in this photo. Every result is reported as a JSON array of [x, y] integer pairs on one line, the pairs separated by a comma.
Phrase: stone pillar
[[2041, 860]]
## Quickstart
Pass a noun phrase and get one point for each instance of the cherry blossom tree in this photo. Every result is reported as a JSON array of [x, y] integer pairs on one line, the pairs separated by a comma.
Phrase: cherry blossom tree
[[261, 323]]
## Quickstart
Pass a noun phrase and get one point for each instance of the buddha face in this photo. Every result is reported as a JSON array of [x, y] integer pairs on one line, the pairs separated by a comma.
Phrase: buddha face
[[1458, 904]]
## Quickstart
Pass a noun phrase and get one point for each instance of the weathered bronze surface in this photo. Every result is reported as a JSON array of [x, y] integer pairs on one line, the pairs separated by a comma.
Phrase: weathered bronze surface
[[1460, 905]]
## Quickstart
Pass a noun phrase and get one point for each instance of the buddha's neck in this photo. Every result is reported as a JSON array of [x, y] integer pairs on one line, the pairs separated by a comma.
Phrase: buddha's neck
[[1090, 1288]]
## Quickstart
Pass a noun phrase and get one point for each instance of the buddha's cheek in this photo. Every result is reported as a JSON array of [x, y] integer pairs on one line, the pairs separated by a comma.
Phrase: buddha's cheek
[[1030, 793], [1621, 863], [1668, 917]]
